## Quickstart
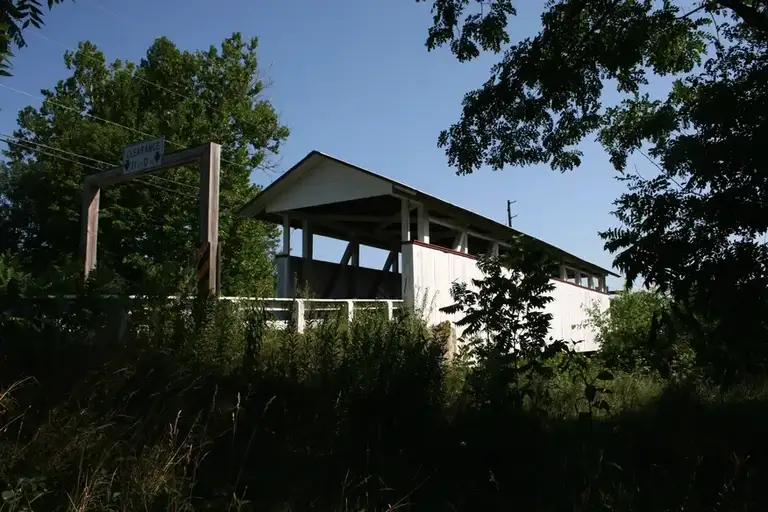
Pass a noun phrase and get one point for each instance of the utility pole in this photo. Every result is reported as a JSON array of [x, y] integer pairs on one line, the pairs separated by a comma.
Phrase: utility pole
[[509, 212]]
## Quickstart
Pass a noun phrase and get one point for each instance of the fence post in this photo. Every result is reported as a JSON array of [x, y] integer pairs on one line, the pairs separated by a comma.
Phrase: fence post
[[299, 316], [390, 310], [350, 310]]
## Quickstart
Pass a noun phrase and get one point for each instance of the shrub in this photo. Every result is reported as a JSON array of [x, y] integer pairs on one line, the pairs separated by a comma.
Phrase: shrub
[[204, 406], [635, 336]]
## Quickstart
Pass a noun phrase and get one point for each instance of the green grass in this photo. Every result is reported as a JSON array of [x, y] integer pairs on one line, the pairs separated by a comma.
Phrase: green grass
[[225, 414]]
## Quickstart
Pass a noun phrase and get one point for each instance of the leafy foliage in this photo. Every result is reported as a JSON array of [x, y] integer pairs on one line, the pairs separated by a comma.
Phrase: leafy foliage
[[15, 16], [504, 321], [634, 335], [221, 412], [148, 229], [697, 227]]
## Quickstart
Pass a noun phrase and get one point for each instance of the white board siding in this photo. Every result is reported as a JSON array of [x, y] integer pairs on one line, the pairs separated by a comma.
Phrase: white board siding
[[329, 182], [568, 313], [432, 271]]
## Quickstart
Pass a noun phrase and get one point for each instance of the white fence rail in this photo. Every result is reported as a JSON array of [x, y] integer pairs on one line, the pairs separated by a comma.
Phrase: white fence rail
[[283, 311], [308, 312]]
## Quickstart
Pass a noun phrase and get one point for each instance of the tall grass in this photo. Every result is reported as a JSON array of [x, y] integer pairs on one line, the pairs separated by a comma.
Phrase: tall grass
[[194, 406]]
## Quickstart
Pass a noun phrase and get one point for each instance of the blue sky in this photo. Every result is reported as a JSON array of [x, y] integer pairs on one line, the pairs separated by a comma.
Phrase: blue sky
[[353, 79]]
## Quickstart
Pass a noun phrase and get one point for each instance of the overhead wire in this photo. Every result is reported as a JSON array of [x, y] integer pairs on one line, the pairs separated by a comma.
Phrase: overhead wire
[[109, 166], [53, 155], [139, 180], [163, 88], [160, 187], [86, 114], [28, 141], [149, 82], [672, 179]]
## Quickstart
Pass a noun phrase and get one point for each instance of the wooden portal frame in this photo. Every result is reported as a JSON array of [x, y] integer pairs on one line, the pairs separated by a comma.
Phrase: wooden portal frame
[[208, 157]]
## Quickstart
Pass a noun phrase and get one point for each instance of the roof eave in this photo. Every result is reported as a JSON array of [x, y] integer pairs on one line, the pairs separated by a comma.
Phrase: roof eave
[[256, 206]]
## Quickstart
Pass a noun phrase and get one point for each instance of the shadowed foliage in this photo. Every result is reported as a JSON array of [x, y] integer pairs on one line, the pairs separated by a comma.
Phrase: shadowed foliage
[[148, 227], [15, 16], [694, 223]]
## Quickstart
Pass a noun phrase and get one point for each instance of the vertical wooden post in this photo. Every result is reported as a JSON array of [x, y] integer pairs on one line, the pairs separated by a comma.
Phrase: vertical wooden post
[[90, 226], [306, 240], [405, 221], [422, 224], [218, 268], [460, 242], [354, 262], [350, 310], [210, 163], [284, 276], [299, 315]]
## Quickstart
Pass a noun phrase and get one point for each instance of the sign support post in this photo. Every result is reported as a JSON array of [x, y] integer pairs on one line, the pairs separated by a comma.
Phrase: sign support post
[[146, 158], [209, 214]]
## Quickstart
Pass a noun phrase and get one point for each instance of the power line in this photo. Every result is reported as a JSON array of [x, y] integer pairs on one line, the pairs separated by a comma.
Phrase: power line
[[109, 166], [53, 155], [86, 114], [175, 93], [672, 179], [133, 74], [19, 139], [60, 157], [28, 145], [78, 111], [150, 184]]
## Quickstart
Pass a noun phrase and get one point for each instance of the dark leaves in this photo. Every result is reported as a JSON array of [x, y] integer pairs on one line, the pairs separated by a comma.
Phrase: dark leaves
[[189, 97], [504, 323], [15, 16], [545, 95], [694, 223]]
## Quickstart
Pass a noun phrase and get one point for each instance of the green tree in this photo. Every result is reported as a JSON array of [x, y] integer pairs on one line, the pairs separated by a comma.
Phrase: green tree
[[15, 16], [697, 226], [148, 228], [635, 334], [505, 323]]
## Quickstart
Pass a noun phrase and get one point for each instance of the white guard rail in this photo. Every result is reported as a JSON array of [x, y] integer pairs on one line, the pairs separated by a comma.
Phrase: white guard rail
[[303, 312]]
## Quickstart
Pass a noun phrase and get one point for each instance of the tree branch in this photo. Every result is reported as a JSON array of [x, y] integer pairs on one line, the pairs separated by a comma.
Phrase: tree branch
[[699, 8], [751, 16]]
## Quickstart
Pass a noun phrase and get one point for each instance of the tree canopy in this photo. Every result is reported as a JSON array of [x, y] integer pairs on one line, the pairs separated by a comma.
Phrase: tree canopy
[[148, 227], [15, 16], [696, 225]]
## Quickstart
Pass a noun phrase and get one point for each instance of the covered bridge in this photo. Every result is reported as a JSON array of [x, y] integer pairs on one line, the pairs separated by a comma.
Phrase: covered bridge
[[431, 244]]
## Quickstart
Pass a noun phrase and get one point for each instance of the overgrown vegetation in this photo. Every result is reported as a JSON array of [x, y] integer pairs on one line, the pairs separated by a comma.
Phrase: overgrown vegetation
[[150, 225], [635, 335], [195, 405], [692, 221], [158, 405]]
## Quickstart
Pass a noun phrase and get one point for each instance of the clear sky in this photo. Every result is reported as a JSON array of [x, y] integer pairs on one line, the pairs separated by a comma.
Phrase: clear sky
[[353, 79]]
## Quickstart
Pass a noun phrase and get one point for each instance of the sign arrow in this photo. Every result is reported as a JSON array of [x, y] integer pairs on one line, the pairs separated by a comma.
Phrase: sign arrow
[[143, 156]]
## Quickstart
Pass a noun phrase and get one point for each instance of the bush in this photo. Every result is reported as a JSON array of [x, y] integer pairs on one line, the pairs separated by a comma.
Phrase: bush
[[634, 336], [193, 405]]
